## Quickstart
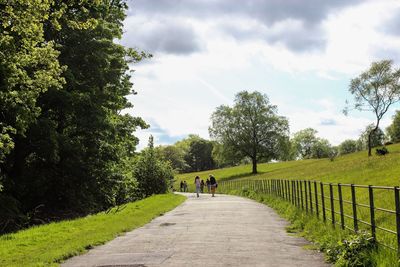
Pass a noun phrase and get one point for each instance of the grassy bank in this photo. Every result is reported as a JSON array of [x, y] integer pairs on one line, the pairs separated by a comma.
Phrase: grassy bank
[[356, 168], [48, 245], [324, 237]]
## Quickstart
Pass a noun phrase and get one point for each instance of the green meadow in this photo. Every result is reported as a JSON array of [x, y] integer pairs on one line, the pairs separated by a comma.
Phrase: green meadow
[[49, 245], [356, 168]]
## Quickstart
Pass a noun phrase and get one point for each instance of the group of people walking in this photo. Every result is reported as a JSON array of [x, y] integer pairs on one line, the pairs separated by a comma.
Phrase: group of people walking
[[211, 184]]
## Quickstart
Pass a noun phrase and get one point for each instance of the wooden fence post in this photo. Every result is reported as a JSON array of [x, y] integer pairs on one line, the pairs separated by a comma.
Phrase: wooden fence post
[[306, 194], [301, 195]]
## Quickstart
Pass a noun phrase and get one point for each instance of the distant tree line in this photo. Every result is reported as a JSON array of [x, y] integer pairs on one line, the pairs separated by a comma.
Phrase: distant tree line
[[65, 147]]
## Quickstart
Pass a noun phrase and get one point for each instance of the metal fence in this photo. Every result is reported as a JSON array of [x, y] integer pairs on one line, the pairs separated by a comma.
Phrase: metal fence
[[354, 207]]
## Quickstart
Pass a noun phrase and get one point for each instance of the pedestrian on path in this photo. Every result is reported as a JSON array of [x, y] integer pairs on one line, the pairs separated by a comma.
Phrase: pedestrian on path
[[185, 186], [208, 186], [213, 183], [181, 188], [202, 186], [197, 183]]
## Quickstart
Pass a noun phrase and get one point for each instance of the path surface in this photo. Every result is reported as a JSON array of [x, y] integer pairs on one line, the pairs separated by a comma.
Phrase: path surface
[[220, 231]]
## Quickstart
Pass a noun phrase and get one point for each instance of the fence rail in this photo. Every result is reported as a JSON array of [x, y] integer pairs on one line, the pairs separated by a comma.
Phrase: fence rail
[[348, 206]]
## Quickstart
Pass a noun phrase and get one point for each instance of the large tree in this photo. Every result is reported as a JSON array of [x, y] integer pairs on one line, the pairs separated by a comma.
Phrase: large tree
[[303, 142], [251, 127], [376, 90]]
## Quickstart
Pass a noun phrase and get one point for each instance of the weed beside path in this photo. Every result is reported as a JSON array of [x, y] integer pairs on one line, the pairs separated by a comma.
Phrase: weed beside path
[[48, 245]]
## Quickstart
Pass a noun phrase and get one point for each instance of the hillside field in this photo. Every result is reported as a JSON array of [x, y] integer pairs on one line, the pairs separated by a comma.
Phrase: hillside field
[[356, 168]]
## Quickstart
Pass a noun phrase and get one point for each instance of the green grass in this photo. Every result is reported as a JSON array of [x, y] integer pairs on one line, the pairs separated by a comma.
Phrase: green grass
[[50, 244], [355, 168]]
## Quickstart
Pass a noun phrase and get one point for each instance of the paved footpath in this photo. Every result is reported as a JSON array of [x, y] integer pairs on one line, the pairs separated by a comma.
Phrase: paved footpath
[[220, 231]]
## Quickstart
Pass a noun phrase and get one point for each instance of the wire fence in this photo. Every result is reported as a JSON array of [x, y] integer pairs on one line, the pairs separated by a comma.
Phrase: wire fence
[[354, 207]]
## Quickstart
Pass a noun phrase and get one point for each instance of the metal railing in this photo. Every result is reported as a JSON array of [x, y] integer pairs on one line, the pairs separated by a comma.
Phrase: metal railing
[[348, 206]]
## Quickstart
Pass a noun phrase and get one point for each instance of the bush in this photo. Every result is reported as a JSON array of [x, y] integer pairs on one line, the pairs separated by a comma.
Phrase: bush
[[353, 251], [381, 151], [153, 175]]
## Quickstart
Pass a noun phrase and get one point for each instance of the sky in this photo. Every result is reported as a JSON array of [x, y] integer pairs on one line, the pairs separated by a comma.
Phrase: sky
[[301, 53]]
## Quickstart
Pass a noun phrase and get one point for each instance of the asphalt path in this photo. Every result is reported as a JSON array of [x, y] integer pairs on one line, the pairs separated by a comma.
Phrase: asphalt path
[[207, 231]]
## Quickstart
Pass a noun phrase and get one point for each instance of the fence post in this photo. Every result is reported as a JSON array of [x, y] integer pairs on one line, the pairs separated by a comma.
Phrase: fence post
[[301, 195], [298, 193], [332, 204], [372, 211], [354, 204], [397, 201], [341, 205], [310, 195], [293, 194], [306, 195], [323, 201], [316, 198], [287, 189]]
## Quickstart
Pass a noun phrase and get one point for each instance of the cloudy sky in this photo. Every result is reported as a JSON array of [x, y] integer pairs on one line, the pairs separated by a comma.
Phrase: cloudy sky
[[301, 53]]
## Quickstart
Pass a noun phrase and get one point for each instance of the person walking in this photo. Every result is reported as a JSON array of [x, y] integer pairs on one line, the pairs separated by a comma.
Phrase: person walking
[[185, 186], [181, 188], [214, 184], [208, 186], [198, 184], [202, 186]]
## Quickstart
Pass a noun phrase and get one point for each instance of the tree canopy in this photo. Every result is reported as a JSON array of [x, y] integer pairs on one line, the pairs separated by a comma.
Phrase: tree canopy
[[376, 90], [251, 127]]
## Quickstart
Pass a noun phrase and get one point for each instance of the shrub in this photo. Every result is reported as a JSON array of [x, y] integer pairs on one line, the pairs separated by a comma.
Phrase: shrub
[[381, 151], [354, 251]]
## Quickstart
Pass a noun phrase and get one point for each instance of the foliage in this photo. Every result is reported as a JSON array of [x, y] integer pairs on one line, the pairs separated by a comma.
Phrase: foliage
[[375, 138], [175, 155], [376, 90], [251, 127], [50, 244], [75, 157], [303, 142], [382, 151], [353, 251], [28, 67], [393, 130], [322, 149], [348, 146], [306, 145], [199, 155], [153, 175]]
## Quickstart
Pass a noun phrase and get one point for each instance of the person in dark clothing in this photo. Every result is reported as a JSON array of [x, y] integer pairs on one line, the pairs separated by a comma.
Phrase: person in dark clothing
[[181, 186], [202, 186], [208, 186], [213, 183]]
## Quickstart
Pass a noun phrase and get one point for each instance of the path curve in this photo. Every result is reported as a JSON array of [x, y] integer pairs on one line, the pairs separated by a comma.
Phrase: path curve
[[220, 231]]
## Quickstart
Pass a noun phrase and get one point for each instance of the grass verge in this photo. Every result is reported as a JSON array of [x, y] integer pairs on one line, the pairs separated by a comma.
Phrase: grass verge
[[50, 244], [324, 237]]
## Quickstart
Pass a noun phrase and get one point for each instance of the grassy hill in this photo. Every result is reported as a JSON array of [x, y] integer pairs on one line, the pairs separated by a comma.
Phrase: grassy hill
[[355, 168]]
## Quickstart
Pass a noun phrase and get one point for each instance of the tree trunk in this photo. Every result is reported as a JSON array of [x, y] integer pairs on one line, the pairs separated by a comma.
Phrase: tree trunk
[[369, 143], [254, 165]]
